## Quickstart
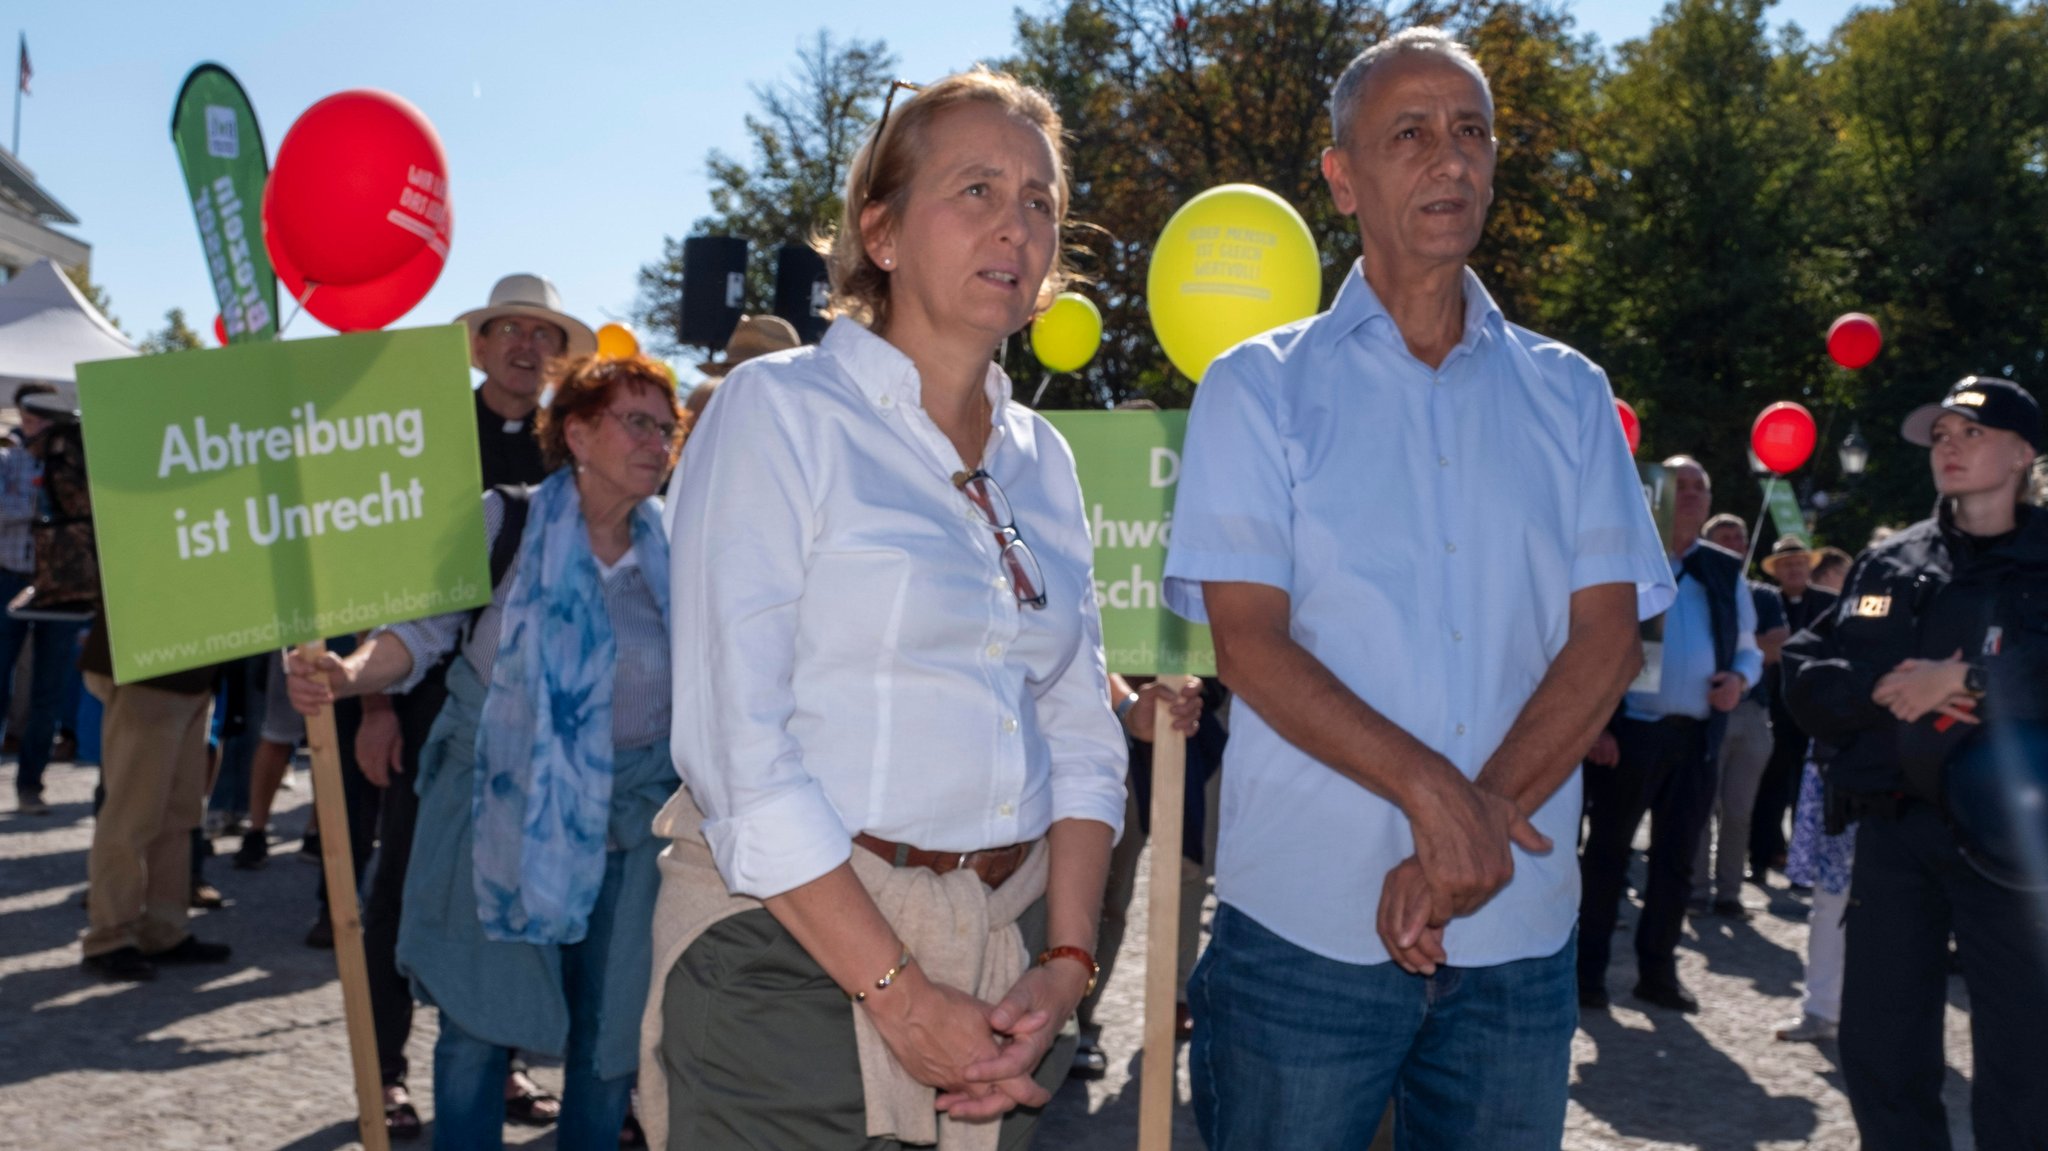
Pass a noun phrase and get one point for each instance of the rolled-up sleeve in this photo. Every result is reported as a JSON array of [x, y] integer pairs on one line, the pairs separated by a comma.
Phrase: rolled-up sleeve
[[1233, 510], [432, 638], [1749, 658], [1085, 741], [1616, 540], [741, 526]]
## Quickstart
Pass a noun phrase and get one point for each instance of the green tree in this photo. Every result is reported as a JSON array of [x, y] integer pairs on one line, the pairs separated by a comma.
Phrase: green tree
[[1940, 173], [1163, 100], [804, 134], [175, 336], [81, 277]]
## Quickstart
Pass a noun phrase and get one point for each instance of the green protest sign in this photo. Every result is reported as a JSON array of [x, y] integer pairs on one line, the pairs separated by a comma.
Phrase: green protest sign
[[221, 151], [1784, 505], [272, 493], [1129, 463]]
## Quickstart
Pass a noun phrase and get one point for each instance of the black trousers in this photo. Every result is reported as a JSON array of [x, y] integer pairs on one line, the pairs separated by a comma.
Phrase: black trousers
[[360, 797], [1664, 770], [1911, 888], [1775, 792]]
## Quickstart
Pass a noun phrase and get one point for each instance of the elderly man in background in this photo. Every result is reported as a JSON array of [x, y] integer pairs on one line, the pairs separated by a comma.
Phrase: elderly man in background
[[1394, 919], [1791, 565]]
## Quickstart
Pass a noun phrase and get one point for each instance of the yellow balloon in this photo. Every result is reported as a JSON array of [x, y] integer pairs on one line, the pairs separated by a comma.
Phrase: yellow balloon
[[1235, 261], [1065, 338], [616, 342]]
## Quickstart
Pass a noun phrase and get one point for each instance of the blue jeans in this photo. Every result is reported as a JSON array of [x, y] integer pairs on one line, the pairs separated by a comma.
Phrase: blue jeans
[[1293, 1049], [469, 1073], [54, 651]]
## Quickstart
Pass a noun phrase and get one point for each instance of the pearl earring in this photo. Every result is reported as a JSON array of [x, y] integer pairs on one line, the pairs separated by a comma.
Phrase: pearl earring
[[888, 261]]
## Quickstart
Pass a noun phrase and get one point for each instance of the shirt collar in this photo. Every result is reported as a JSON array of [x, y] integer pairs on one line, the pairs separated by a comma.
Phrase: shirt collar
[[887, 377], [1357, 305]]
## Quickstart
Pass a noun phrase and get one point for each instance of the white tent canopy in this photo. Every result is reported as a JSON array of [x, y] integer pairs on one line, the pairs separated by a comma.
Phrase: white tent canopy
[[47, 329]]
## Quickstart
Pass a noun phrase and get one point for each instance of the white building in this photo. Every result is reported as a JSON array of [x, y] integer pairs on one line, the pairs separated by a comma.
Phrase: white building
[[26, 215]]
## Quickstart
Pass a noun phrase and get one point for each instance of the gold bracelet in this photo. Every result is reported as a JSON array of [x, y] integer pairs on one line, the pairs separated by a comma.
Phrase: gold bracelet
[[888, 977]]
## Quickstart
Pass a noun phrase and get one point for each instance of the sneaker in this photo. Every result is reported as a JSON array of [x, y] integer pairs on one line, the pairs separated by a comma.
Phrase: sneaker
[[192, 949], [1808, 1028], [121, 965], [207, 897], [65, 750], [254, 852], [309, 847], [31, 805]]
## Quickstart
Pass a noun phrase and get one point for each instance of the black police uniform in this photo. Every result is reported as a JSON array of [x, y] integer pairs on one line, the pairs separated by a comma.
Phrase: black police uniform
[[1926, 593]]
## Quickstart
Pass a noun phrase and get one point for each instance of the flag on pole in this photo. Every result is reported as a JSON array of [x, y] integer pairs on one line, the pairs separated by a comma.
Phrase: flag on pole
[[26, 71]]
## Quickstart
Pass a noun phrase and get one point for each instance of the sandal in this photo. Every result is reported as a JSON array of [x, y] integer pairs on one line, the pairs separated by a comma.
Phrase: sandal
[[532, 1107], [401, 1119]]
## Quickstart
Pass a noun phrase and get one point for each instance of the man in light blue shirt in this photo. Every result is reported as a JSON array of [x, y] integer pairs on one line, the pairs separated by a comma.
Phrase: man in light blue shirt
[[1661, 755], [1418, 537]]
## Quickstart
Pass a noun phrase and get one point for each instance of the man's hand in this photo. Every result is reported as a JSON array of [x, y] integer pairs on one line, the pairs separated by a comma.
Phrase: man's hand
[[1725, 690], [378, 745], [1606, 750], [1408, 926], [1463, 834], [1142, 720]]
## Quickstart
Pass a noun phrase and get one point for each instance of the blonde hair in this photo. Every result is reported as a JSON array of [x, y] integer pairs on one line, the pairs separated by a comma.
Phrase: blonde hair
[[860, 289]]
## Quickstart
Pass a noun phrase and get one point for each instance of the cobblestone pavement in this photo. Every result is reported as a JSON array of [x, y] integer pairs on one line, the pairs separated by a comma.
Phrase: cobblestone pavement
[[253, 1054]]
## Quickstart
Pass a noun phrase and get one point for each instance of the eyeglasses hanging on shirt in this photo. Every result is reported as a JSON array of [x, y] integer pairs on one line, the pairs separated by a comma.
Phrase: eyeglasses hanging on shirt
[[1026, 578]]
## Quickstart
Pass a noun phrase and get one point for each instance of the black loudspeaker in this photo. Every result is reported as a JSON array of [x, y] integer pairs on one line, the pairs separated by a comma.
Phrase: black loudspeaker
[[803, 290], [714, 289]]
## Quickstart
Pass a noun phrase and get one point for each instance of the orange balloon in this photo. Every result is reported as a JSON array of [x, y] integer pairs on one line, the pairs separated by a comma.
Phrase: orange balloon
[[617, 342]]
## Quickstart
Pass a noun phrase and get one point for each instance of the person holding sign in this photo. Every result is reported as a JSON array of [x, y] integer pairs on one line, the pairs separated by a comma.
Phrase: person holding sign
[[532, 876], [892, 708], [1422, 547]]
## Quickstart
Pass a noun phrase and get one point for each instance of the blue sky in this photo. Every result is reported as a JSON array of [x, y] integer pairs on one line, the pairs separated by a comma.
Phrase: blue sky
[[576, 134]]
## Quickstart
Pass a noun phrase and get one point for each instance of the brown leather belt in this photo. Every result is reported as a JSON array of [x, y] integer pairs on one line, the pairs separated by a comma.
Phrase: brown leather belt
[[993, 864]]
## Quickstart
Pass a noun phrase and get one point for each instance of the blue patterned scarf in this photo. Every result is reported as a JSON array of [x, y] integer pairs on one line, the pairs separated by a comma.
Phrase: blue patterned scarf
[[542, 797]]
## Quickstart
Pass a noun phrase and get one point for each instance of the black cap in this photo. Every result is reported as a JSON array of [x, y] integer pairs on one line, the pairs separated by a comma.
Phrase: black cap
[[1988, 400]]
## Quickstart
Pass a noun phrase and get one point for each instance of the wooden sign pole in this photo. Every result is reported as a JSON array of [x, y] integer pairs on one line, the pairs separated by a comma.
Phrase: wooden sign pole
[[1162, 927], [336, 857]]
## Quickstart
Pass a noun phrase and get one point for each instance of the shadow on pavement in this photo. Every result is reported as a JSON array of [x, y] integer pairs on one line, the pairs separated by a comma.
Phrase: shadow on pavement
[[1669, 1084]]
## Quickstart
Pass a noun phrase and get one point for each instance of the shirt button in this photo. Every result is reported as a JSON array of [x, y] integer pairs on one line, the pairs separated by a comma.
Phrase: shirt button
[[887, 401], [1009, 725], [1458, 637], [1461, 729], [1006, 809], [995, 650], [1450, 547]]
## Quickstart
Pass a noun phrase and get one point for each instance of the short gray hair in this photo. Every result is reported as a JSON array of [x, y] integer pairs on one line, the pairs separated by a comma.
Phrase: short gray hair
[[1344, 97]]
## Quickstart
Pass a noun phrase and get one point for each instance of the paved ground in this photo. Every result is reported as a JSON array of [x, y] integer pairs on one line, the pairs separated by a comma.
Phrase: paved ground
[[252, 1055]]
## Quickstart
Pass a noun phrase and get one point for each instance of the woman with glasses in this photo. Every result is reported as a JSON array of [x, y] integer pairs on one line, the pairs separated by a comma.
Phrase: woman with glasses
[[533, 877], [892, 712]]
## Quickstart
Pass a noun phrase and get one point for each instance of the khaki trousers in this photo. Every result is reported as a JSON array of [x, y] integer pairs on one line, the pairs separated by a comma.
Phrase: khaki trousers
[[154, 763]]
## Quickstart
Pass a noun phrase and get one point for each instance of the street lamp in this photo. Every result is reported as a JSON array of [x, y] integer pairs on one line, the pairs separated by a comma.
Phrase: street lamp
[[1854, 453]]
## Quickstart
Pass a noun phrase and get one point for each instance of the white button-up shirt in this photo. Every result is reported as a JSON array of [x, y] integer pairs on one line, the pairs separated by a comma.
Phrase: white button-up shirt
[[1429, 527], [849, 654]]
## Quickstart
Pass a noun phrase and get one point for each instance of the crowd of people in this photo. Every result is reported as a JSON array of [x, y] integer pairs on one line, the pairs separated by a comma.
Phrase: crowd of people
[[819, 752]]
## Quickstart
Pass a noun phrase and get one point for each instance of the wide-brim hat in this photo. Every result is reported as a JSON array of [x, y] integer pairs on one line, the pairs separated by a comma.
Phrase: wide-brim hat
[[755, 336], [1787, 546], [532, 297], [1986, 400]]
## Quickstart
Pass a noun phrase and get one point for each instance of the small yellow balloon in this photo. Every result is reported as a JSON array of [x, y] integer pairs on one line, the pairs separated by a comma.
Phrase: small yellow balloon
[[616, 342], [1233, 262], [1065, 338]]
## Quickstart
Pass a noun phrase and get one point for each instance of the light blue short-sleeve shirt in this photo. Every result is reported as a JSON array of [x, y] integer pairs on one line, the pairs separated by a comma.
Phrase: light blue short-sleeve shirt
[[1429, 527]]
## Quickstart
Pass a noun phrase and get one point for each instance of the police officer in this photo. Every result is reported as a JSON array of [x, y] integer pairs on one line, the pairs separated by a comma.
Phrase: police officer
[[1940, 642]]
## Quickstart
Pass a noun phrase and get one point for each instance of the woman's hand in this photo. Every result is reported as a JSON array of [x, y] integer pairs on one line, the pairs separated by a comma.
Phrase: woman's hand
[[1919, 686], [312, 685], [1029, 1018], [1141, 721], [936, 1032]]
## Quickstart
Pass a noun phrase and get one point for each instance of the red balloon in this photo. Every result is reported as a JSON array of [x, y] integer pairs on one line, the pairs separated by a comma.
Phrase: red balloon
[[1783, 437], [1631, 427], [360, 187], [1854, 340], [355, 307], [220, 329]]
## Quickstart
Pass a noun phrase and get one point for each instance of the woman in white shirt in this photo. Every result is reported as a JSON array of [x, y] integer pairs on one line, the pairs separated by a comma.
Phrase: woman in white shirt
[[892, 713]]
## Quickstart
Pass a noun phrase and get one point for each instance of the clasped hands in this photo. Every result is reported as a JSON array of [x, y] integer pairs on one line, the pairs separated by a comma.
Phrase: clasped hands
[[1917, 687], [1464, 840], [980, 1057]]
